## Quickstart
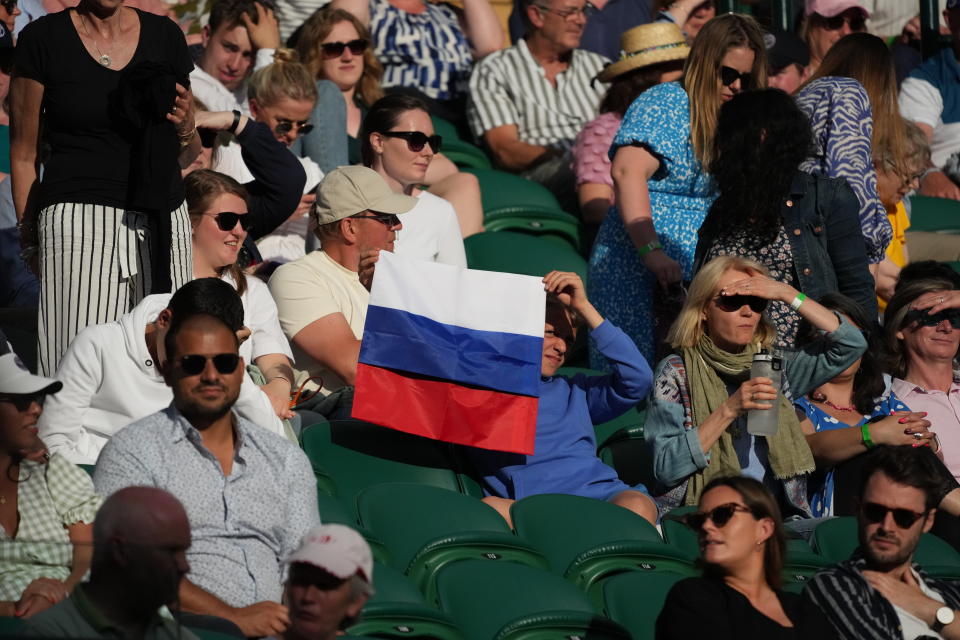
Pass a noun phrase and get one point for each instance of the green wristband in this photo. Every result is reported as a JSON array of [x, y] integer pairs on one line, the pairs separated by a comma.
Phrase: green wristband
[[865, 436], [798, 301], [647, 248]]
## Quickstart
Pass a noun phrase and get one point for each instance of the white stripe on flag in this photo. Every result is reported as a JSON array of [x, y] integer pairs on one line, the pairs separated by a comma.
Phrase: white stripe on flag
[[480, 300]]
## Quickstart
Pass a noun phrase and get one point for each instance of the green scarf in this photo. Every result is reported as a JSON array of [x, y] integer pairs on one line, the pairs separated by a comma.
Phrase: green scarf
[[708, 367]]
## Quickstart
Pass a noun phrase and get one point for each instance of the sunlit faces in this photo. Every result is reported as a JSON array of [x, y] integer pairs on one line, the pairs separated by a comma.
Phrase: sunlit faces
[[397, 160], [561, 22], [318, 601], [740, 539], [787, 79], [9, 10], [885, 543], [740, 59], [346, 69], [935, 343], [823, 33], [700, 16], [730, 330], [18, 423], [285, 117], [213, 246], [559, 335], [227, 54], [375, 231]]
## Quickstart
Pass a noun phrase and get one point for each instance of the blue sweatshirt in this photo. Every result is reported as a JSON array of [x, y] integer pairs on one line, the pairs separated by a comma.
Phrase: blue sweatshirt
[[565, 451]]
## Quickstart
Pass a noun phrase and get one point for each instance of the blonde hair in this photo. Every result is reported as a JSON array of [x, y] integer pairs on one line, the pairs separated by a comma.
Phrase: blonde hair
[[701, 73], [284, 78], [688, 328], [318, 27]]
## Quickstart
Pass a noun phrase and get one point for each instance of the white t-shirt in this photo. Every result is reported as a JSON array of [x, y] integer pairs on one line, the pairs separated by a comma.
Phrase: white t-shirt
[[260, 316], [921, 101], [311, 288], [431, 232], [912, 626]]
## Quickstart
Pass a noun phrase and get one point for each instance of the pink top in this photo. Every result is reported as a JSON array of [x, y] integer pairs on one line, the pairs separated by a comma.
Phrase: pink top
[[943, 412], [591, 159]]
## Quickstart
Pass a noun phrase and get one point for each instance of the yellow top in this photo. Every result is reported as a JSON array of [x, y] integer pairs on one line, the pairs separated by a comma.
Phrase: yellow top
[[900, 223]]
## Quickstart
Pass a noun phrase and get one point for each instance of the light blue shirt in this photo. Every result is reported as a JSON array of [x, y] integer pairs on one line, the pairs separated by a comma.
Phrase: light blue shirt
[[243, 525]]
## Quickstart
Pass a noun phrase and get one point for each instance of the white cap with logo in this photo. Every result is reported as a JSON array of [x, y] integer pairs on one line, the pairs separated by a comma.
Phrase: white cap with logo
[[338, 550], [15, 379]]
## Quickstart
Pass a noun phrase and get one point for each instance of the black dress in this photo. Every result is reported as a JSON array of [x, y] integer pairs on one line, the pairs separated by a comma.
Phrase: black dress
[[708, 608]]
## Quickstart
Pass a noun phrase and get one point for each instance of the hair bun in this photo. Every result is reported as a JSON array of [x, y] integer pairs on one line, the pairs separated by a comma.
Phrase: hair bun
[[284, 55]]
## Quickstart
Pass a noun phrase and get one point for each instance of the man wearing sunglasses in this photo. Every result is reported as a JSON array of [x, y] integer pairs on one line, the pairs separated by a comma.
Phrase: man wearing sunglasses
[[880, 593], [249, 494]]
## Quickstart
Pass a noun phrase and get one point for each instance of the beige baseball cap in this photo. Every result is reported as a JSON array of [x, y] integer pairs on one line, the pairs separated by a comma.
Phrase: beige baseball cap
[[337, 549], [347, 191]]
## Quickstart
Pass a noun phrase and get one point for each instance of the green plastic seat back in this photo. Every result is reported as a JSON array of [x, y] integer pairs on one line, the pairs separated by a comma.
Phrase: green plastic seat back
[[11, 627], [89, 468], [503, 192], [512, 252], [800, 565], [635, 599], [836, 539], [392, 587], [934, 214], [631, 456], [351, 455], [445, 129], [499, 600], [677, 534]]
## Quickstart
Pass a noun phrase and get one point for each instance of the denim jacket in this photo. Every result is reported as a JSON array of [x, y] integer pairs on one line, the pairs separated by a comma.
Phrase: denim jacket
[[821, 216]]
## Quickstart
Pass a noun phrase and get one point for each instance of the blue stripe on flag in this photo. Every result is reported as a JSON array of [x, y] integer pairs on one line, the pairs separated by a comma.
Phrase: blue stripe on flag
[[397, 339]]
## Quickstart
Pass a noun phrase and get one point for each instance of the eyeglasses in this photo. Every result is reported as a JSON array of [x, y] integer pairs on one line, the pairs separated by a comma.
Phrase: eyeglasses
[[284, 127], [728, 76], [720, 516], [194, 364], [737, 302], [857, 23], [924, 319], [389, 219], [9, 5], [227, 220], [586, 11], [416, 140], [335, 49], [874, 513], [23, 401]]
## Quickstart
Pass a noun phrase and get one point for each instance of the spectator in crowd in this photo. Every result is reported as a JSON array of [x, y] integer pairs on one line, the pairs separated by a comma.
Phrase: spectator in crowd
[[250, 495], [565, 458], [803, 228], [889, 17], [689, 15], [650, 54], [528, 102], [397, 141], [787, 60], [880, 593], [928, 97], [322, 298], [429, 47], [330, 578], [323, 47], [218, 213], [742, 548], [696, 422], [927, 270], [19, 286], [922, 335], [47, 505], [662, 190], [112, 372], [282, 96], [851, 101], [107, 216], [826, 21], [140, 542]]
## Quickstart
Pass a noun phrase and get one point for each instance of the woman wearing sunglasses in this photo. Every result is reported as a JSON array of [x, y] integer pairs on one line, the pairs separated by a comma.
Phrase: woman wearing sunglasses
[[397, 141], [696, 425], [742, 548], [803, 228], [336, 46], [826, 21], [217, 205], [662, 191], [851, 102]]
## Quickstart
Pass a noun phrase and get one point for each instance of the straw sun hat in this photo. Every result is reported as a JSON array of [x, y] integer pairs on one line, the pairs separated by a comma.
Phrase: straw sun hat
[[645, 45]]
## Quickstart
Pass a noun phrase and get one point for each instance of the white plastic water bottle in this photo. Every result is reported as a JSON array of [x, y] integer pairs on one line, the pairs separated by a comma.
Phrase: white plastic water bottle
[[763, 422]]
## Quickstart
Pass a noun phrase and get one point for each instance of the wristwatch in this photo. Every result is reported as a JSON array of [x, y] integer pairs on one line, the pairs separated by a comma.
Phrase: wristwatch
[[945, 616]]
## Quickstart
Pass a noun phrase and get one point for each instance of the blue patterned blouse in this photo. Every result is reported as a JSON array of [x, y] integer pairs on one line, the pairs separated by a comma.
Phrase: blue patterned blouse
[[842, 121]]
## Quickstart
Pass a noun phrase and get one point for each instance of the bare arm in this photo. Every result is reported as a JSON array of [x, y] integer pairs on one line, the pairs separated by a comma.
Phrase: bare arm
[[510, 153], [26, 96], [330, 341], [359, 8], [482, 27], [830, 448], [81, 535], [257, 620], [595, 200], [279, 374]]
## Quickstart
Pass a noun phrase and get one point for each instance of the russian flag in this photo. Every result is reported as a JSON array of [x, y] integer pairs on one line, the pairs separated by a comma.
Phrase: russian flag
[[452, 354]]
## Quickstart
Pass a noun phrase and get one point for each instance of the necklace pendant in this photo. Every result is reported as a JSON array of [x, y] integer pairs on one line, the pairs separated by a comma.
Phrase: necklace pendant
[[104, 60], [3, 500]]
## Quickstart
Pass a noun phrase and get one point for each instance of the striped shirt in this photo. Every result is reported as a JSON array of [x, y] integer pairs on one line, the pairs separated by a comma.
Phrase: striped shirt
[[427, 51], [857, 610], [510, 87]]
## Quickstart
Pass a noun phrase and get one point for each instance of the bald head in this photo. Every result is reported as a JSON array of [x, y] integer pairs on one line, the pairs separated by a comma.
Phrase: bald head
[[139, 515]]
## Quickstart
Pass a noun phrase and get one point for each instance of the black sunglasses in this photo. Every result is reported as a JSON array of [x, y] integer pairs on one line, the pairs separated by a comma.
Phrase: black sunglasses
[[874, 513], [389, 219], [23, 401], [227, 220], [194, 364], [416, 140], [284, 127], [856, 23], [335, 49], [924, 319], [9, 5], [720, 516], [735, 303], [728, 76]]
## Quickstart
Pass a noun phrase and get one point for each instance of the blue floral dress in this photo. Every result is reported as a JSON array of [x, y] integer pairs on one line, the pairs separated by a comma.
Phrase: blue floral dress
[[680, 195], [821, 483]]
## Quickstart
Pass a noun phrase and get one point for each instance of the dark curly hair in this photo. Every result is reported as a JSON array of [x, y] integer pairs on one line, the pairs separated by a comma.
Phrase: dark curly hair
[[762, 137]]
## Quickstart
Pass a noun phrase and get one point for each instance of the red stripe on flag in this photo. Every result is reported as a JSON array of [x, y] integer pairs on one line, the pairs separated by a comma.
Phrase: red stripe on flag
[[445, 411]]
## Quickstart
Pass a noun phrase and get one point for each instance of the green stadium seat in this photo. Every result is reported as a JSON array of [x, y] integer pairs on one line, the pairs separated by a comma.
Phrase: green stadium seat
[[207, 634], [444, 128], [836, 539], [677, 534], [465, 155], [587, 541], [512, 252], [89, 468], [941, 215], [350, 455], [509, 601], [800, 564], [628, 453], [427, 528], [10, 627], [635, 599]]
